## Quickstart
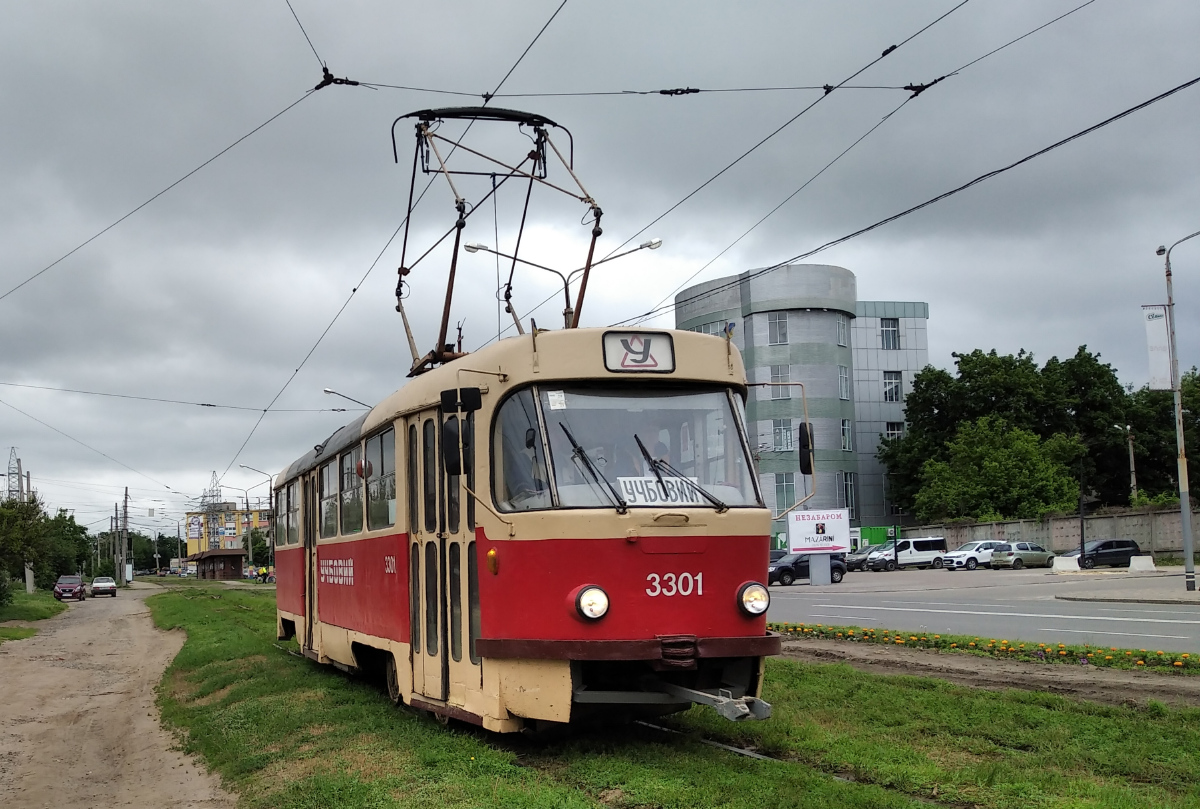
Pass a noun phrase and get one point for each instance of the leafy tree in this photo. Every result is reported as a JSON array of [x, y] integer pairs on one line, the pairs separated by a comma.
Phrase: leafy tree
[[52, 546], [994, 472], [258, 540]]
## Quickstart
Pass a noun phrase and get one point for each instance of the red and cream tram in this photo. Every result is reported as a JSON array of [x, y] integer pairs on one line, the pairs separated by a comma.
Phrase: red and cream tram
[[562, 523]]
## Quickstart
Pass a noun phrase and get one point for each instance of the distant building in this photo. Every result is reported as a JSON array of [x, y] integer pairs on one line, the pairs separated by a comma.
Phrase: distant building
[[223, 526], [803, 323]]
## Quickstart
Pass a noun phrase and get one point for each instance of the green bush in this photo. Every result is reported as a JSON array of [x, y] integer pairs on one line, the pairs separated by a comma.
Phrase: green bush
[[5, 588]]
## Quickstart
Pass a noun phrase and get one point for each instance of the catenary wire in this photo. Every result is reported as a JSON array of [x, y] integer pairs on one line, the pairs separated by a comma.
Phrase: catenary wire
[[86, 446], [668, 92], [172, 401], [100, 233], [391, 238], [306, 36], [981, 178], [893, 112]]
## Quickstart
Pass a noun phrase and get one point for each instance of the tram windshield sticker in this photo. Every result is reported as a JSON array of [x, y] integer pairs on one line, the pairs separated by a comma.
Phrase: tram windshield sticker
[[627, 352], [557, 399], [672, 491]]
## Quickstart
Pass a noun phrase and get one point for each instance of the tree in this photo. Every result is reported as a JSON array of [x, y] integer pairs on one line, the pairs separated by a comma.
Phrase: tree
[[996, 472], [258, 541], [52, 546]]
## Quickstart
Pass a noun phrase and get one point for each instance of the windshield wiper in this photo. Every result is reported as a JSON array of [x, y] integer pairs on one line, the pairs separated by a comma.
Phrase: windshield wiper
[[657, 465], [580, 454]]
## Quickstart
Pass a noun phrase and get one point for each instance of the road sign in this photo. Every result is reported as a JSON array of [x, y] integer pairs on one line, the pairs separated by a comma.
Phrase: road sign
[[819, 531]]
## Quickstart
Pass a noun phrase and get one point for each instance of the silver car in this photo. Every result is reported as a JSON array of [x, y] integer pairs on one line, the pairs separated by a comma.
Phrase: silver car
[[104, 586], [1021, 554]]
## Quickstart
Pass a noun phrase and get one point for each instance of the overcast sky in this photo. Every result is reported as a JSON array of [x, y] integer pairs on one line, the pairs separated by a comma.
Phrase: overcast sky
[[217, 290]]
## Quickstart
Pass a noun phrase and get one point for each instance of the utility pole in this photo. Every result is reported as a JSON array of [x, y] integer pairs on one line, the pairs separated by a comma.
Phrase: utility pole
[[118, 560], [23, 496], [125, 547], [1132, 471]]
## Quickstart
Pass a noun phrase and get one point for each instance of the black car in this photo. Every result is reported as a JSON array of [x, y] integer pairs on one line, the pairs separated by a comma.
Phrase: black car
[[1112, 552], [776, 555], [794, 566], [858, 559]]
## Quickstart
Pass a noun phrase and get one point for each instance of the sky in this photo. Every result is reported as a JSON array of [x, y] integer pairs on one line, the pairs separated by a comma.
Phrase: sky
[[198, 258]]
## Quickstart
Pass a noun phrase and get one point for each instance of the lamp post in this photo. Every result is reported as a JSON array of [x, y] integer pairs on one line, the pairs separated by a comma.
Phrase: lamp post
[[271, 524], [568, 310], [1132, 471], [333, 392], [1185, 503]]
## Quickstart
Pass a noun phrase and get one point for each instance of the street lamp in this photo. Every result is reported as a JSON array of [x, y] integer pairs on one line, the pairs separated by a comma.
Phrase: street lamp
[[568, 310], [270, 523], [344, 396], [1185, 502]]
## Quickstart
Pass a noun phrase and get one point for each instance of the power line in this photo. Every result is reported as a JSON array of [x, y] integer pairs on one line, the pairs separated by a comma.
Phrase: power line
[[171, 401], [97, 235], [916, 92], [391, 238], [981, 178], [671, 92], [86, 446], [306, 37]]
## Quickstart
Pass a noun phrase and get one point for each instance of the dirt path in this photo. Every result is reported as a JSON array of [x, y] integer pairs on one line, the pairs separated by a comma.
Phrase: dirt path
[[78, 725], [1111, 686]]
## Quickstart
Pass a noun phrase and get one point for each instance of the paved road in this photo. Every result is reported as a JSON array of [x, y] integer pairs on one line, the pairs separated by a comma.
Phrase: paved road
[[1000, 604]]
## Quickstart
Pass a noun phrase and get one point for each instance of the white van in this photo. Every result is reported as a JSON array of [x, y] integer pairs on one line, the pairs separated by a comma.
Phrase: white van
[[919, 552]]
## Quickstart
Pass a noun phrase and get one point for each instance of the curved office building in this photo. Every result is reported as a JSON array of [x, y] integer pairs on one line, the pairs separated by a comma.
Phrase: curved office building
[[803, 323]]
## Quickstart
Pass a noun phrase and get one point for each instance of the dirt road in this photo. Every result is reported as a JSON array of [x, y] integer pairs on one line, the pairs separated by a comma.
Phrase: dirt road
[[78, 725]]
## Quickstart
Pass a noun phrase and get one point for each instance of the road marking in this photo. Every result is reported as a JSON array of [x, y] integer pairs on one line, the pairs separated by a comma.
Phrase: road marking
[[1154, 612], [1017, 614], [844, 617], [1122, 634], [947, 603]]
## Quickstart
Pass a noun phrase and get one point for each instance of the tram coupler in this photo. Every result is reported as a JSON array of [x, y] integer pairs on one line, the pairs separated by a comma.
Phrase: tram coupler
[[735, 709]]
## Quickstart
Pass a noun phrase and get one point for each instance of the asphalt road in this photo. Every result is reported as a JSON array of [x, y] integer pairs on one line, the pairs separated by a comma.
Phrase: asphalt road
[[999, 604]]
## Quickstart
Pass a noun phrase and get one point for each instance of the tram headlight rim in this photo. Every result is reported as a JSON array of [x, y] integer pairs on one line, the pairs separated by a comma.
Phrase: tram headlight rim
[[582, 609], [756, 588]]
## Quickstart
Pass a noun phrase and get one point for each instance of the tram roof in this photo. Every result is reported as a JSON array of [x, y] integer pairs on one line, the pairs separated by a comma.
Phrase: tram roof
[[562, 355]]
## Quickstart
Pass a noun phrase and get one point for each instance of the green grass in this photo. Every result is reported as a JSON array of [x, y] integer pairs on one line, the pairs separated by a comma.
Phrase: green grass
[[1112, 657], [15, 633], [31, 607], [284, 732]]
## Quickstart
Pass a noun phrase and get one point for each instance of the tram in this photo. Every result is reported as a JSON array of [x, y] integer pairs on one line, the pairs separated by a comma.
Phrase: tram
[[562, 524]]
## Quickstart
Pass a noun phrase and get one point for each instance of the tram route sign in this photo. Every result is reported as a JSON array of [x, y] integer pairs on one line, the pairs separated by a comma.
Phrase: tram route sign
[[639, 352], [825, 531]]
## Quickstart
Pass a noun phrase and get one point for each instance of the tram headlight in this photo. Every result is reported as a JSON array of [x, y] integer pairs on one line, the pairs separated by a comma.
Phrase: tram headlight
[[753, 598], [592, 602]]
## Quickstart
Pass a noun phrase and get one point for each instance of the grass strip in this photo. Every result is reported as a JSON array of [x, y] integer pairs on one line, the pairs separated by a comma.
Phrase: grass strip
[[929, 738], [15, 633], [284, 732], [35, 606], [1024, 651]]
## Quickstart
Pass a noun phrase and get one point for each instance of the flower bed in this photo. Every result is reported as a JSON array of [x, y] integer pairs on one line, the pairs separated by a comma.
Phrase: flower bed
[[1002, 648]]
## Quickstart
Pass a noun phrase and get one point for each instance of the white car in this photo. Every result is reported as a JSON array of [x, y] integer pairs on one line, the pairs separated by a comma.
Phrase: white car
[[971, 555]]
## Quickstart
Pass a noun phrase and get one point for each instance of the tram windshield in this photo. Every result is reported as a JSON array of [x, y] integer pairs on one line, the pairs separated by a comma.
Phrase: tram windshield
[[691, 454]]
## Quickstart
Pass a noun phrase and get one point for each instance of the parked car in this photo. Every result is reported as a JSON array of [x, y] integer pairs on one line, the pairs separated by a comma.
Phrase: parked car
[[777, 554], [104, 586], [1112, 552], [971, 555], [920, 552], [69, 587], [1020, 554], [795, 566], [858, 559]]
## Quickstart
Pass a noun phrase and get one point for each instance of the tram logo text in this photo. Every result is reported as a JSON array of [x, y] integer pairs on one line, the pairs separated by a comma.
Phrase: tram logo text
[[637, 353], [337, 571], [643, 491]]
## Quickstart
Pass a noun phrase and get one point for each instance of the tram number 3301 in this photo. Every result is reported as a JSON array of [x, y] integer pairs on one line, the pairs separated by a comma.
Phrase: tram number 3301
[[672, 584]]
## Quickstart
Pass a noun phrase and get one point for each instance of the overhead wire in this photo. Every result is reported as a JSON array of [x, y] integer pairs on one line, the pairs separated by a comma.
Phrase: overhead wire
[[170, 401], [100, 233], [391, 238], [981, 178], [306, 36], [916, 92]]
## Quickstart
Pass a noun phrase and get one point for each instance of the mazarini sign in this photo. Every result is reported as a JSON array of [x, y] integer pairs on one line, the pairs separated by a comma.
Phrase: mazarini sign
[[819, 531]]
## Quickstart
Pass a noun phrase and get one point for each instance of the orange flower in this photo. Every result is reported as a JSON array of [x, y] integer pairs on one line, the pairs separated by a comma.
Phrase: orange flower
[[1141, 663], [1177, 663]]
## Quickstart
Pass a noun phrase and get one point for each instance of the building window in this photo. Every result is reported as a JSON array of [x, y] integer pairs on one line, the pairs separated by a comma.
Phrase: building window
[[847, 436], [845, 492], [843, 328], [716, 327], [777, 328], [785, 490], [780, 376], [895, 429], [891, 386], [844, 382], [782, 434], [889, 330]]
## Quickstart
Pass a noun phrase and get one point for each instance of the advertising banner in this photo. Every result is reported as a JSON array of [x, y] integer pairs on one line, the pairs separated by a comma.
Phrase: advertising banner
[[819, 531], [1158, 342]]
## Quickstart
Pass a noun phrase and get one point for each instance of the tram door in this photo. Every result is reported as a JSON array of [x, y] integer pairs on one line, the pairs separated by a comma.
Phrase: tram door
[[427, 606], [460, 576], [308, 528]]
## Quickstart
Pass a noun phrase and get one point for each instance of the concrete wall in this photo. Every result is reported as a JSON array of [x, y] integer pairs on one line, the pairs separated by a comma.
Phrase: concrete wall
[[1156, 532]]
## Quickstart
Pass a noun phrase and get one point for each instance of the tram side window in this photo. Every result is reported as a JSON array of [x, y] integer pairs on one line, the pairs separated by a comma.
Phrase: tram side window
[[329, 500], [381, 480], [519, 477], [352, 501], [413, 498], [429, 473], [453, 485], [293, 515], [280, 517]]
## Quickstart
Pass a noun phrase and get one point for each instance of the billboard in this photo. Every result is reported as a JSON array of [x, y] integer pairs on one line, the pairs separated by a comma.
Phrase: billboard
[[819, 531], [1158, 342]]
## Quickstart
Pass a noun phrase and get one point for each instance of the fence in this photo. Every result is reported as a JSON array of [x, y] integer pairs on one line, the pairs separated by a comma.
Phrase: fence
[[1157, 532]]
